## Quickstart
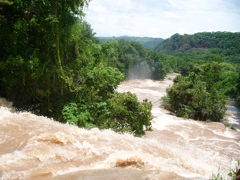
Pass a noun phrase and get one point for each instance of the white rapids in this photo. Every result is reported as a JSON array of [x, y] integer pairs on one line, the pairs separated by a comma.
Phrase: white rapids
[[36, 147]]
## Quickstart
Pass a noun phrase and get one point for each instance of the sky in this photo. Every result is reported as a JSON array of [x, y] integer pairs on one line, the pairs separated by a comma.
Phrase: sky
[[162, 18]]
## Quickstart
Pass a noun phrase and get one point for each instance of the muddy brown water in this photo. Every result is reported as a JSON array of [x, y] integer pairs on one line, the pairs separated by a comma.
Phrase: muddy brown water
[[35, 147]]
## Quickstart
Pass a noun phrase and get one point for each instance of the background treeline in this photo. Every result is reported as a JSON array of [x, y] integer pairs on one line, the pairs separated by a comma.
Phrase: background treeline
[[147, 42], [223, 46], [226, 43], [135, 61]]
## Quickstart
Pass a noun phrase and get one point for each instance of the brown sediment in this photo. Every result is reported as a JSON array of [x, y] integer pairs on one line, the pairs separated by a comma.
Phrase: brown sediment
[[133, 161], [35, 147], [41, 174], [54, 139]]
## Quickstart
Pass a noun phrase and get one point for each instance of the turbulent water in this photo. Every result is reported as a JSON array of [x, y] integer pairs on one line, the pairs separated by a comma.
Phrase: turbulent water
[[35, 147], [233, 115]]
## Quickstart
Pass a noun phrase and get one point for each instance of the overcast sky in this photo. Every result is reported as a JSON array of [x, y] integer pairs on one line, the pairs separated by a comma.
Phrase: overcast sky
[[162, 18]]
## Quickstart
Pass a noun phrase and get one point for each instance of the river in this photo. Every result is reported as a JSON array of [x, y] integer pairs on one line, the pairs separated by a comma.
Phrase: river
[[36, 147]]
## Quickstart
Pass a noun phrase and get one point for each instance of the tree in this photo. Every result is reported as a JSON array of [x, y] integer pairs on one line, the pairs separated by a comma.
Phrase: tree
[[126, 114], [50, 55], [202, 94]]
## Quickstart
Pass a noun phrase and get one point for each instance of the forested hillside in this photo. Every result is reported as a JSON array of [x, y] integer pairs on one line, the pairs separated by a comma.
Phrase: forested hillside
[[206, 45], [147, 42], [225, 43]]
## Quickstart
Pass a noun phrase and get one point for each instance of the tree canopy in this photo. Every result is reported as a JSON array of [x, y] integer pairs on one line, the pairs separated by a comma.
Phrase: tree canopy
[[52, 64], [203, 93]]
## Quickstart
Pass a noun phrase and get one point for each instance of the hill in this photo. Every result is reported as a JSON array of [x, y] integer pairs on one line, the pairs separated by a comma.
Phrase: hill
[[147, 42], [225, 43]]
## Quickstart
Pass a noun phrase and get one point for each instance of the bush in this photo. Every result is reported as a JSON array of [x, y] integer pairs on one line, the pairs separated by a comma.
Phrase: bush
[[79, 116], [190, 98], [221, 76], [128, 115], [121, 113], [202, 94]]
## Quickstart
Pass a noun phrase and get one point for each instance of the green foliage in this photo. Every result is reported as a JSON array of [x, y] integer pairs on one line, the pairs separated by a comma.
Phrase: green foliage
[[235, 172], [189, 98], [134, 61], [38, 51], [159, 65], [202, 94], [127, 114], [203, 47], [50, 55], [122, 113], [78, 116], [124, 55], [223, 76], [104, 80], [220, 42]]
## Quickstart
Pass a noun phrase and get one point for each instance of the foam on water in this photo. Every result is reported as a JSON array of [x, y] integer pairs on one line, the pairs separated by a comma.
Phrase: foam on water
[[33, 147]]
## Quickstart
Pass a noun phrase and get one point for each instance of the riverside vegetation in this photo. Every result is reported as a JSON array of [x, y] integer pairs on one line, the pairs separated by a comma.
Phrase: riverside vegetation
[[51, 63], [210, 74]]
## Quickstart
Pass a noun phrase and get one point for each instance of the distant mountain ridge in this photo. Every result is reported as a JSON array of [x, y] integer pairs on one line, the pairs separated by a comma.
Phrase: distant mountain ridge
[[225, 42], [147, 42]]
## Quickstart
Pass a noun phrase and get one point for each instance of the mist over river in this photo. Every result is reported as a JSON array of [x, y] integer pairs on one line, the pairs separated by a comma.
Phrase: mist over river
[[36, 147]]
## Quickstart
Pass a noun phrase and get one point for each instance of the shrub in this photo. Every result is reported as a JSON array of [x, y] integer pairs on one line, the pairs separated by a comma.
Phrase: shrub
[[128, 115], [79, 116], [121, 113], [190, 98], [221, 76], [202, 94]]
